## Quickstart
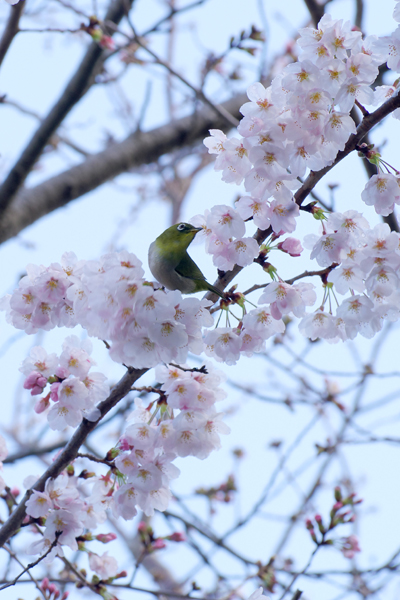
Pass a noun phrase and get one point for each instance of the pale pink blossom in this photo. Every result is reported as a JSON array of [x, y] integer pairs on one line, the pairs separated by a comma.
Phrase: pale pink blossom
[[258, 595], [381, 191], [223, 344], [105, 566], [248, 206], [66, 522], [349, 546], [283, 216], [225, 222], [260, 105], [125, 500], [39, 360], [285, 298], [38, 504]]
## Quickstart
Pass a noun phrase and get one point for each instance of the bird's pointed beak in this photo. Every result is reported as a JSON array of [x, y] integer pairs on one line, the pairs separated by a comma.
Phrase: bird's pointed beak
[[196, 229]]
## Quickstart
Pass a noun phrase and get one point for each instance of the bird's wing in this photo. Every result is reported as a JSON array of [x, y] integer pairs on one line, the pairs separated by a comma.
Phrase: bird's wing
[[188, 268]]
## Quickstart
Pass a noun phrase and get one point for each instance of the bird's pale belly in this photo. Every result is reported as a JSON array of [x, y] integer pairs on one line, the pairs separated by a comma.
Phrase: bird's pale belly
[[167, 275]]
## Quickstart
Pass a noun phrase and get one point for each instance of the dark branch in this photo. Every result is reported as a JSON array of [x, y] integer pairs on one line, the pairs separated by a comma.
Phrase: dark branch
[[316, 10], [11, 29], [70, 451], [314, 177], [76, 88], [138, 149]]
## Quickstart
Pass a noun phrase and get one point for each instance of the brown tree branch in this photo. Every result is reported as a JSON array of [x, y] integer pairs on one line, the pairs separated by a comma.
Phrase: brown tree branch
[[316, 10], [137, 149], [368, 122], [11, 29], [75, 89], [70, 451]]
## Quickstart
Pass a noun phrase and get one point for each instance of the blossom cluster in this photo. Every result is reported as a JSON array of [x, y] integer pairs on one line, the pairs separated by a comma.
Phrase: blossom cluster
[[112, 301], [366, 261], [68, 509], [299, 122], [74, 388], [226, 344], [152, 442], [184, 423]]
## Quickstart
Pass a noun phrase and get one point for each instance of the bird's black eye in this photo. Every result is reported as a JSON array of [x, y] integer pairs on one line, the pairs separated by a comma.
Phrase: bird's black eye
[[181, 227]]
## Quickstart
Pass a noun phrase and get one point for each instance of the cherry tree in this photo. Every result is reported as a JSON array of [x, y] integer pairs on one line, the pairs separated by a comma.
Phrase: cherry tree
[[304, 283]]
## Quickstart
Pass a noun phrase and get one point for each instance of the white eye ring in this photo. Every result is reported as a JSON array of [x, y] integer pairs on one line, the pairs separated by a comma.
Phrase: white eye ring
[[181, 227]]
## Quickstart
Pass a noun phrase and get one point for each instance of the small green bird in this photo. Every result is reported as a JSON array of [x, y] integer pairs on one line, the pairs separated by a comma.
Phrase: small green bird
[[172, 266]]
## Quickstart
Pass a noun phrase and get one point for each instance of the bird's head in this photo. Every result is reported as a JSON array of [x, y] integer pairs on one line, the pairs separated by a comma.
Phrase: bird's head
[[177, 237]]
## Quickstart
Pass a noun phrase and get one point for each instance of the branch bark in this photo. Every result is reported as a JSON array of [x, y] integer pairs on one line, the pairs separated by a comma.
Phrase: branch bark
[[316, 10], [137, 149], [11, 29], [78, 85], [368, 122], [70, 451]]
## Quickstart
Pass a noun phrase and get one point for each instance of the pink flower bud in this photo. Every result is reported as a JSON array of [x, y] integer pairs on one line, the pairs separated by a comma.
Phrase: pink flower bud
[[104, 538], [275, 235], [45, 584], [122, 574], [54, 391], [35, 382], [62, 372], [65, 596], [177, 536], [142, 526], [291, 246], [15, 492], [158, 544], [337, 506], [107, 42], [41, 404], [318, 518], [312, 534], [123, 444]]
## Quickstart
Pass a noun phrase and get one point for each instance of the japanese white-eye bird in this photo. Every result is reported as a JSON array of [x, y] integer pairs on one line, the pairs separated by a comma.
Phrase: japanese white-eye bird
[[172, 266]]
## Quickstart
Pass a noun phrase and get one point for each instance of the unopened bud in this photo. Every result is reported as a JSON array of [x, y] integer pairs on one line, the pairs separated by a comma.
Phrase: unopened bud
[[96, 34], [114, 452], [318, 213], [45, 584], [271, 270], [86, 474], [104, 538], [338, 494], [177, 536], [120, 575], [309, 524]]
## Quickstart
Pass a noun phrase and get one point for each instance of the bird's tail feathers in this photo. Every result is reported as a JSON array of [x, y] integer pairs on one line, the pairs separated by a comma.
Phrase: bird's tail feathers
[[215, 290]]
